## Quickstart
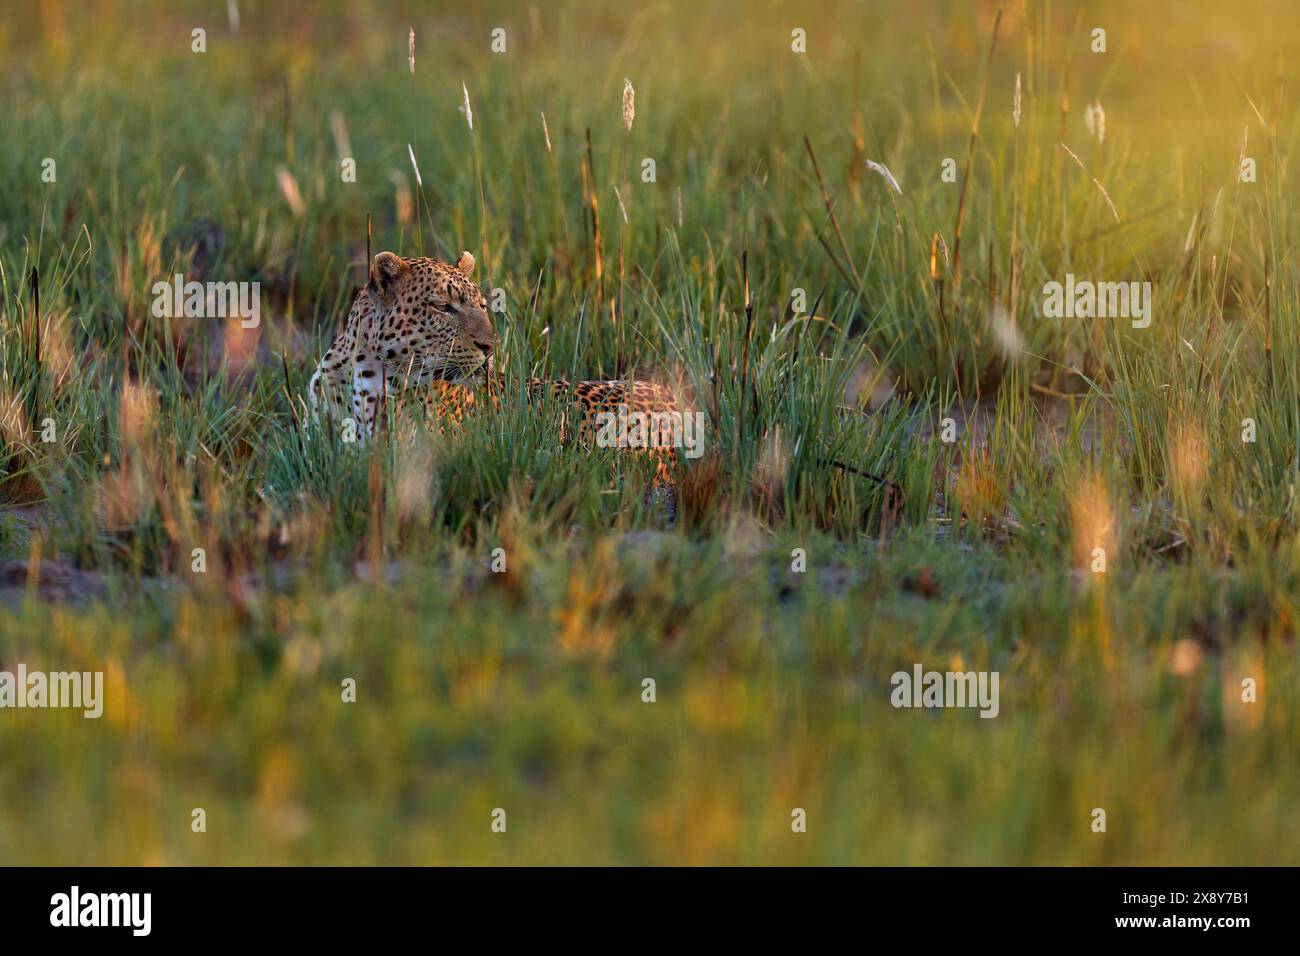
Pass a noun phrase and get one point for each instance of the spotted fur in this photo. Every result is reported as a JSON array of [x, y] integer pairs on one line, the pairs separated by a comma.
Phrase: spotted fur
[[416, 320], [423, 323]]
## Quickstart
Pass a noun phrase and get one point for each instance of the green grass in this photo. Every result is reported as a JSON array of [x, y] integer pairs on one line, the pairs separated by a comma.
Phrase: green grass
[[522, 690]]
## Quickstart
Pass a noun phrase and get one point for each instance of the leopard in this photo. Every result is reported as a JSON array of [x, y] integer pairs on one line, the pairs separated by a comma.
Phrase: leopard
[[415, 321], [422, 325]]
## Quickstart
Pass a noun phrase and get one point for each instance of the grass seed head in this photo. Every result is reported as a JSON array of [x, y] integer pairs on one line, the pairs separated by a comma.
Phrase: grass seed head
[[465, 107], [629, 105], [884, 172], [1094, 117], [414, 165], [289, 189]]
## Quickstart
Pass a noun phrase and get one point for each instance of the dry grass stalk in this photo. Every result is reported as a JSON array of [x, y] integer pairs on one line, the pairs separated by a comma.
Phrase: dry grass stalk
[[830, 212], [1104, 195], [970, 153]]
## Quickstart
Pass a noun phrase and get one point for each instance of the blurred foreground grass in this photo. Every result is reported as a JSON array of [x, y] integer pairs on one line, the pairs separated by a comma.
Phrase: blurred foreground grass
[[477, 691]]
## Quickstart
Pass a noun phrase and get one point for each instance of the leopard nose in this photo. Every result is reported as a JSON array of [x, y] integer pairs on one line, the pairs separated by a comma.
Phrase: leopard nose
[[485, 348]]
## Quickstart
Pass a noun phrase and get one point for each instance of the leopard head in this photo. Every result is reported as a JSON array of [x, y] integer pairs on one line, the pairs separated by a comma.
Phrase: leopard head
[[431, 320]]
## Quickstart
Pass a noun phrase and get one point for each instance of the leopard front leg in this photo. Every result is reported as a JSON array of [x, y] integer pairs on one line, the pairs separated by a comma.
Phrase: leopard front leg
[[368, 383], [330, 380], [334, 373], [663, 487]]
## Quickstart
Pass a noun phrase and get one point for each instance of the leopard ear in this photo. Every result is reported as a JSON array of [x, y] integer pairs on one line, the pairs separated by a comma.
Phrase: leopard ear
[[466, 263], [388, 269]]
